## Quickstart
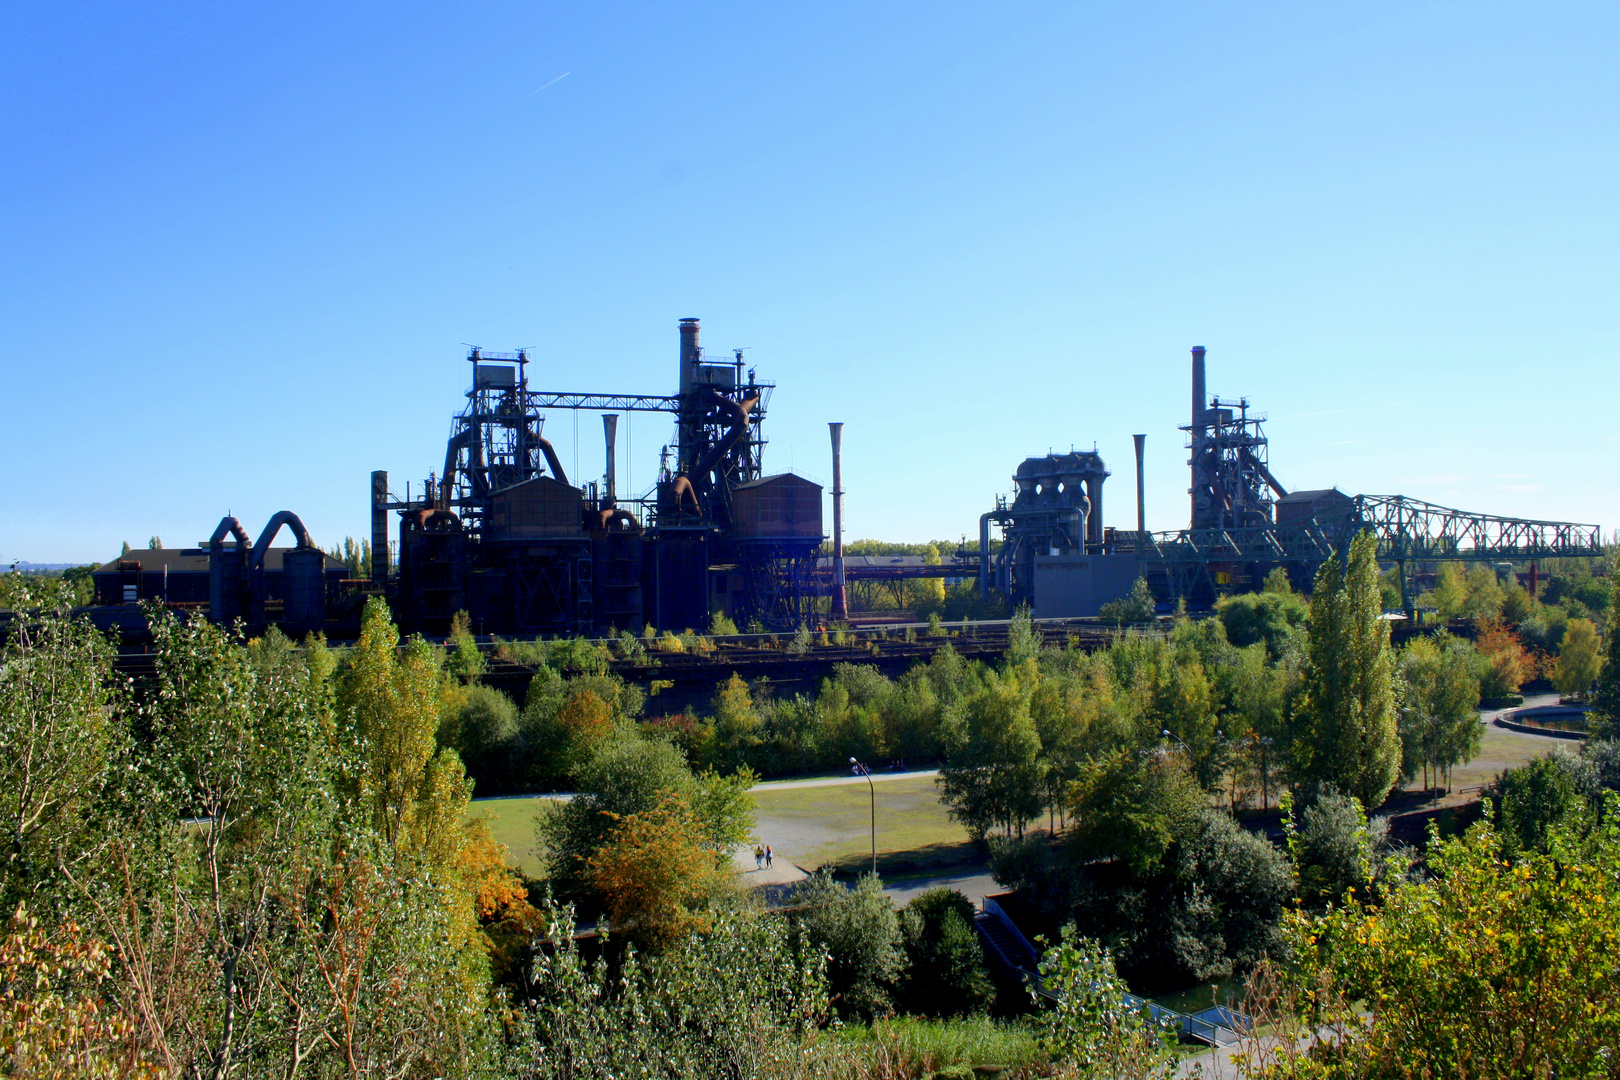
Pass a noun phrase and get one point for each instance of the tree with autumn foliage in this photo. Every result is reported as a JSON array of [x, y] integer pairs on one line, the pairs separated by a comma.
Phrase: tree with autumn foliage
[[1496, 962], [1504, 664], [656, 875]]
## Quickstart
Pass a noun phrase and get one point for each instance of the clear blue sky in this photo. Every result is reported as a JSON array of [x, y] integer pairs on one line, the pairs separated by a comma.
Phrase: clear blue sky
[[244, 243]]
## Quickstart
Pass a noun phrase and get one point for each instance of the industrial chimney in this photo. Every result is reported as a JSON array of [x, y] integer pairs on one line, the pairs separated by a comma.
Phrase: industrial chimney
[[689, 353], [1141, 491], [379, 527], [1199, 402], [610, 434], [840, 602]]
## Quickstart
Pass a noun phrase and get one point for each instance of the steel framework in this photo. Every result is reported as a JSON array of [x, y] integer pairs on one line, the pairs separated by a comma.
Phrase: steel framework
[[1408, 530]]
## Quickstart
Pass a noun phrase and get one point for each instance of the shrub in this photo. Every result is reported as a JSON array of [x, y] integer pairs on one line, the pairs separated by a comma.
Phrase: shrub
[[859, 932], [945, 973]]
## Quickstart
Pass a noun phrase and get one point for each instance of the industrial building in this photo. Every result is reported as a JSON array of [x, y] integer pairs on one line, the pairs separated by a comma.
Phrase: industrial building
[[501, 531], [503, 534], [1058, 556]]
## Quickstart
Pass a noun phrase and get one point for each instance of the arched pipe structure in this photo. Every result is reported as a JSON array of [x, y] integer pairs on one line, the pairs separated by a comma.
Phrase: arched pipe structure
[[227, 573], [303, 589]]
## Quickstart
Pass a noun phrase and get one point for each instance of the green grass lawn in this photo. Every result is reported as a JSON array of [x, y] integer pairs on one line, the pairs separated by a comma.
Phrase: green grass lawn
[[809, 826], [819, 826], [512, 823]]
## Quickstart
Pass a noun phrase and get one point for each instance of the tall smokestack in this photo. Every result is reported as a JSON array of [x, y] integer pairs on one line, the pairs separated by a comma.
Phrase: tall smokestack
[[689, 352], [1199, 401], [840, 602], [379, 527], [610, 434], [1141, 487]]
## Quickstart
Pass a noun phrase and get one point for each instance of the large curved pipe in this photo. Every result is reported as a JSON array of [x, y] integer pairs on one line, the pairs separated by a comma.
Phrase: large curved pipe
[[225, 587], [228, 526], [283, 517], [737, 411], [551, 459], [447, 479]]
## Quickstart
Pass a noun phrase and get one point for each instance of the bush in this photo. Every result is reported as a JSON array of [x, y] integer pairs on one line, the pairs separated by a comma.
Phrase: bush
[[485, 731], [945, 973], [859, 932], [1335, 849], [738, 1001], [1533, 799]]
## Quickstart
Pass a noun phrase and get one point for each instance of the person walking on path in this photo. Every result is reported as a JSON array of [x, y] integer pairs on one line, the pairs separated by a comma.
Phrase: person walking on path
[[767, 856], [759, 857]]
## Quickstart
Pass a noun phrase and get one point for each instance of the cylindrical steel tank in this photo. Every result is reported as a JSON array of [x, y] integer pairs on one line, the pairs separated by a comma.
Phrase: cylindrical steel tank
[[303, 589]]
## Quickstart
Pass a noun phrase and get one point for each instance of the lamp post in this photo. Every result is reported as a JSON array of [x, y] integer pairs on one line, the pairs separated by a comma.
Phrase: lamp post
[[871, 790]]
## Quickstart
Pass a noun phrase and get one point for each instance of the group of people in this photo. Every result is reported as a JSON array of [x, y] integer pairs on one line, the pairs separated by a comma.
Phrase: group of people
[[762, 857]]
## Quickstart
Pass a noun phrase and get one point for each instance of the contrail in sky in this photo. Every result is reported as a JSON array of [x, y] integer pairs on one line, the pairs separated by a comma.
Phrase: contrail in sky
[[559, 78]]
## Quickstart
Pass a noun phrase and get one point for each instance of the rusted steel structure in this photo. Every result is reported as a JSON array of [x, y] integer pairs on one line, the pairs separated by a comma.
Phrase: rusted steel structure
[[1243, 522], [503, 533]]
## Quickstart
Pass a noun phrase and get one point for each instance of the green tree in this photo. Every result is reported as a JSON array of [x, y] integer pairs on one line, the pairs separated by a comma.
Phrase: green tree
[[1270, 617], [1093, 1029], [1023, 639], [1347, 733], [1439, 692], [1138, 607], [391, 699], [465, 661], [1556, 790], [991, 775], [859, 932], [1579, 659], [1130, 806], [62, 733], [1336, 850], [944, 969], [1606, 702]]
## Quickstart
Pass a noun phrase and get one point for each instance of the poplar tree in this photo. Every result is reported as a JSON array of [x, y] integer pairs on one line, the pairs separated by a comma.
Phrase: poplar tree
[[1346, 734]]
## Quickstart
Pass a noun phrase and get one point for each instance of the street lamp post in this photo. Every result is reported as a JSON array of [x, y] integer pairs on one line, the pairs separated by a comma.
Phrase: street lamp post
[[871, 790]]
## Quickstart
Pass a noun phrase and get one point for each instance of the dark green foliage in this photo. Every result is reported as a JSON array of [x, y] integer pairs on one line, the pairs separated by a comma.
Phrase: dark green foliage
[[1139, 607], [1346, 733], [1210, 907], [1270, 617], [1224, 899], [1558, 789], [486, 733], [859, 932], [945, 973], [991, 777], [1606, 702], [1336, 849]]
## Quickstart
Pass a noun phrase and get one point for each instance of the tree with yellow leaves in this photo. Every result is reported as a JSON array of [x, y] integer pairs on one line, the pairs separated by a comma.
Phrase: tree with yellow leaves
[[390, 699], [656, 874]]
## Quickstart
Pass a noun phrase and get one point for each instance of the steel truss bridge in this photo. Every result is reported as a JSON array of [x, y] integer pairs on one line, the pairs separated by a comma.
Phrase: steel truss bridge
[[1408, 530]]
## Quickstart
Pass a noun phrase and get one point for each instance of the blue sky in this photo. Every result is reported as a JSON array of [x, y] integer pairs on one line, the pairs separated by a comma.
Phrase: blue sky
[[244, 245]]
